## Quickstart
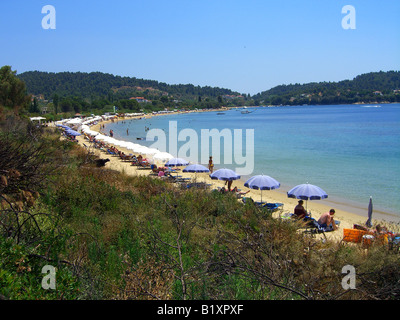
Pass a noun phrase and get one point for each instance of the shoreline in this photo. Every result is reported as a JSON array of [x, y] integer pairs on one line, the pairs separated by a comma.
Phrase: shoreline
[[345, 212], [356, 206]]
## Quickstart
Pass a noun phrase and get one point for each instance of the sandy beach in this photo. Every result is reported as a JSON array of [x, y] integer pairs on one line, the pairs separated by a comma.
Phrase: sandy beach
[[345, 214]]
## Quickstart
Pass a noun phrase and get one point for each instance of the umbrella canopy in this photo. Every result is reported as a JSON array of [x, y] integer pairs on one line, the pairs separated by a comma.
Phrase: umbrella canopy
[[224, 174], [196, 168], [162, 157], [72, 132], [261, 182], [37, 118], [75, 121], [307, 192], [370, 209], [175, 162]]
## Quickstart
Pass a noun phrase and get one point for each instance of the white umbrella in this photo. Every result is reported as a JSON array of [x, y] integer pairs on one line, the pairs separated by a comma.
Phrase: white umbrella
[[162, 157], [151, 152], [74, 121]]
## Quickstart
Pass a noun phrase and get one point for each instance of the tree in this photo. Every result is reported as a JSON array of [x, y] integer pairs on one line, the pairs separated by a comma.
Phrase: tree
[[12, 90], [34, 108], [56, 100]]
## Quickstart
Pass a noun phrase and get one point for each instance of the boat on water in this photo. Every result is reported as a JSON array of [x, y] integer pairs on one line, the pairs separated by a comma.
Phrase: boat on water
[[219, 113], [245, 110]]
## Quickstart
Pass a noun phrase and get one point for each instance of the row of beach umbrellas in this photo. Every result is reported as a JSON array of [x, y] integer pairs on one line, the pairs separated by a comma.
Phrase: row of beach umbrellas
[[305, 191], [262, 182], [258, 182]]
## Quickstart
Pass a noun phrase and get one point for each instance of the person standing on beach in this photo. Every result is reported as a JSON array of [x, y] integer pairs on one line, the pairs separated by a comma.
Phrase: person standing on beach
[[210, 165], [111, 133]]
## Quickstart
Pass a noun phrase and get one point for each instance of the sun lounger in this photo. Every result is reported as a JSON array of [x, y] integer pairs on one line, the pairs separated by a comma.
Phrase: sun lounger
[[111, 152], [267, 205], [200, 185], [143, 165], [313, 227]]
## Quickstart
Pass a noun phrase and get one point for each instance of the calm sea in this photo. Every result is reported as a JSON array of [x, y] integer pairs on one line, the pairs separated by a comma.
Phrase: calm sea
[[350, 151]]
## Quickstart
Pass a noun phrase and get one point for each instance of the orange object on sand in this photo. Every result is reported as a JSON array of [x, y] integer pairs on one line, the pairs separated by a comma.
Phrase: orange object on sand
[[353, 235]]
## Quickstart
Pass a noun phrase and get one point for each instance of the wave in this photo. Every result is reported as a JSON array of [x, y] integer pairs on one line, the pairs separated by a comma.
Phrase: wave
[[376, 106]]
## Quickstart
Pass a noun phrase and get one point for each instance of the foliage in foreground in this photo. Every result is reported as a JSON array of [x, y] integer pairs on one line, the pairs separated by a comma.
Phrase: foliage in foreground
[[112, 236]]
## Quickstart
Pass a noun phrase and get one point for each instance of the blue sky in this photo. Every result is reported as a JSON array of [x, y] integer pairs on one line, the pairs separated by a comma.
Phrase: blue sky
[[247, 46]]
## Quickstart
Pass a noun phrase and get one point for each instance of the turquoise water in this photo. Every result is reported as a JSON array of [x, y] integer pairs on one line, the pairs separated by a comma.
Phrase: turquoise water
[[350, 151]]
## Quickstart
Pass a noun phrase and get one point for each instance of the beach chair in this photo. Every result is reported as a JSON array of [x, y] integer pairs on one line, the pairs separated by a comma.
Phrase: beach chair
[[313, 227], [272, 206], [134, 161], [199, 185], [125, 157], [143, 165], [175, 178], [266, 205], [154, 170], [111, 152]]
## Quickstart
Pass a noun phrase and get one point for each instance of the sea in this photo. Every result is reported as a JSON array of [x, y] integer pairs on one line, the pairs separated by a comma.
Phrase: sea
[[350, 151]]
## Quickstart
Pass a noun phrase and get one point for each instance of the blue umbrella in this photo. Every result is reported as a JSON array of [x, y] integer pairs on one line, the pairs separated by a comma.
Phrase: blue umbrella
[[72, 132], [175, 162], [370, 208], [196, 168], [224, 174], [307, 192], [261, 182]]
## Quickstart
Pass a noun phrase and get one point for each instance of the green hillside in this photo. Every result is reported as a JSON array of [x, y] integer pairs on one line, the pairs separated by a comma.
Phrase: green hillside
[[99, 92], [365, 88]]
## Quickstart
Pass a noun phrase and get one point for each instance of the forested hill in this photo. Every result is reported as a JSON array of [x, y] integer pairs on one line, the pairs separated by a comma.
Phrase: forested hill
[[108, 89], [97, 85], [369, 87]]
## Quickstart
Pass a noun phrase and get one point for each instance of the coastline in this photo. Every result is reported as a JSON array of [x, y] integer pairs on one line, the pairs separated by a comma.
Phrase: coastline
[[347, 214]]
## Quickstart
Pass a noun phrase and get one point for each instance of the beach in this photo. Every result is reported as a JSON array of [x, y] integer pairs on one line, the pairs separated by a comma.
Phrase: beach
[[347, 215]]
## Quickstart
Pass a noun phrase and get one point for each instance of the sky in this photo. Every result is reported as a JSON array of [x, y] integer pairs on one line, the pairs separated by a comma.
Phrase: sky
[[247, 46]]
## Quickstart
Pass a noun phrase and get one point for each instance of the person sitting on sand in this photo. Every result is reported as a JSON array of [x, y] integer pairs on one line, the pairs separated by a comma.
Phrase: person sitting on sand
[[299, 210], [326, 220], [239, 193]]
